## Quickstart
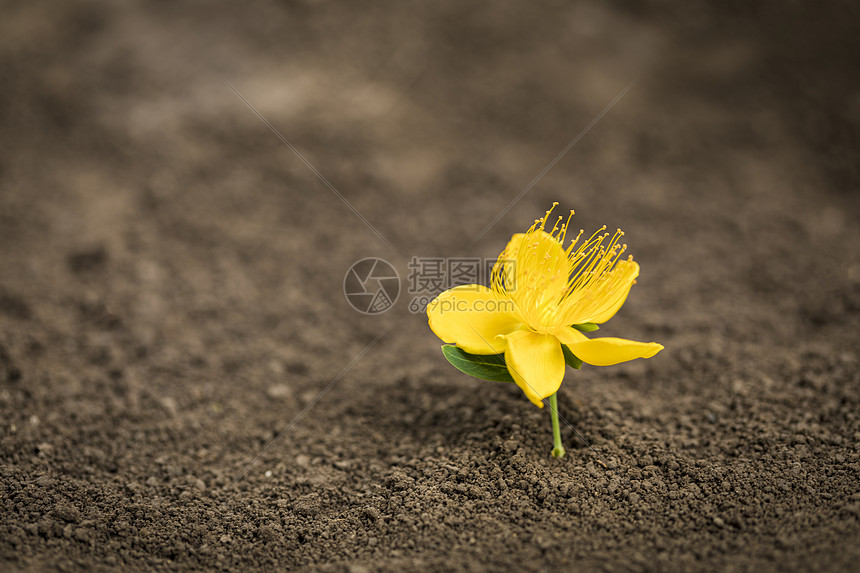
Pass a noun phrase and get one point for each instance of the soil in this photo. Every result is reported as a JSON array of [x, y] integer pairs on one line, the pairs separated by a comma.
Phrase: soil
[[171, 285]]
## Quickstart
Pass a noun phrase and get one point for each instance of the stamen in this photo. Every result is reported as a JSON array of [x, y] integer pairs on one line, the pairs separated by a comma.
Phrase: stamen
[[564, 228], [594, 276]]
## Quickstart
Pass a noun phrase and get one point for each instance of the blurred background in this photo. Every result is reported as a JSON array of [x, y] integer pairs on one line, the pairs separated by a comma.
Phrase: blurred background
[[171, 273]]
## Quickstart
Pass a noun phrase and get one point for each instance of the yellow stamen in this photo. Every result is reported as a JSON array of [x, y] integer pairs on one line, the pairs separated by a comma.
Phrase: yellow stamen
[[559, 286]]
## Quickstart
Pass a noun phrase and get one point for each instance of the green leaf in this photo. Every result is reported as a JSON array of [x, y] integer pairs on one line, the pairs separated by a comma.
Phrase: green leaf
[[571, 358], [490, 367], [585, 327]]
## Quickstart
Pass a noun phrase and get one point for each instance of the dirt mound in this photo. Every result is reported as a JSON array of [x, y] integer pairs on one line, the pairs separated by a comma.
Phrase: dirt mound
[[171, 286]]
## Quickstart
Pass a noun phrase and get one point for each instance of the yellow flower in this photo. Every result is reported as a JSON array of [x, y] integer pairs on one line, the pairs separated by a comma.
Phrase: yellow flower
[[540, 290]]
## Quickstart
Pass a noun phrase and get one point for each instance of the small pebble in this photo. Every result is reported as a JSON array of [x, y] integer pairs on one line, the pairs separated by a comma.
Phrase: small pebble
[[279, 391]]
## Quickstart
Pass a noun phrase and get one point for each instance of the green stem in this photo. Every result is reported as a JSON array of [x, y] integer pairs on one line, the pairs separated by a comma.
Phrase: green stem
[[557, 448]]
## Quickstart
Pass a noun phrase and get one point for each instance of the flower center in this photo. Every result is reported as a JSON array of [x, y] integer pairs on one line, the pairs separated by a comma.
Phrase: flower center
[[553, 286]]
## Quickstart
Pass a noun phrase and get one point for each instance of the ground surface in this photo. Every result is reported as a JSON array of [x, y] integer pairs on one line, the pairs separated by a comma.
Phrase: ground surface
[[170, 286]]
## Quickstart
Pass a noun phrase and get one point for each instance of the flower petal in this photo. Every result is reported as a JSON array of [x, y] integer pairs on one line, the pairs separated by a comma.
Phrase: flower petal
[[627, 271], [542, 265], [513, 246], [536, 363], [569, 335], [472, 316], [537, 263], [608, 351]]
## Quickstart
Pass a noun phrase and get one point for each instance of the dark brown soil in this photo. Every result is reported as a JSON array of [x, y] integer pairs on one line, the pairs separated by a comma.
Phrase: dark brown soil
[[171, 285]]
